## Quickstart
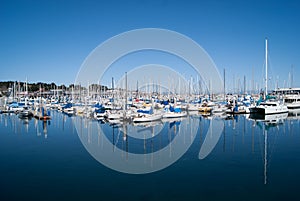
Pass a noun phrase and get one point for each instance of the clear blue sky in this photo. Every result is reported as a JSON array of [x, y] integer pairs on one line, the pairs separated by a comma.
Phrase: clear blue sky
[[48, 40]]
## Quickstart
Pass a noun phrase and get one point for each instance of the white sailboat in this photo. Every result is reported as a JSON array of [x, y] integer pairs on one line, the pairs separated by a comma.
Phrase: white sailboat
[[170, 112], [146, 115], [269, 106], [146, 118]]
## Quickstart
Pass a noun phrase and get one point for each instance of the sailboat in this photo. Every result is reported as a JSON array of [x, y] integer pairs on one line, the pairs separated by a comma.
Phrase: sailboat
[[269, 106], [146, 115]]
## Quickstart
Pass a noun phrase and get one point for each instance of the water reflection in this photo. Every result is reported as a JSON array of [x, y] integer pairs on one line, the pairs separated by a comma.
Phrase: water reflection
[[294, 114], [138, 148], [22, 125], [147, 147], [269, 119], [41, 127], [266, 123], [213, 135]]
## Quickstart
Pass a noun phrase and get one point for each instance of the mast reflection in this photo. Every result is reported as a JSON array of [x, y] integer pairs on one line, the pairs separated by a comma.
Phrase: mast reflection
[[266, 122]]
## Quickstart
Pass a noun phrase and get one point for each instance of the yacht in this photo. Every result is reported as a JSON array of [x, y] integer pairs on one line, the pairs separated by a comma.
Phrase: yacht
[[291, 97], [270, 119], [269, 106], [292, 101]]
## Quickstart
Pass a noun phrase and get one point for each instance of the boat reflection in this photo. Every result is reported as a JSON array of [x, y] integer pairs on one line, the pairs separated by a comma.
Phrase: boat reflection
[[149, 146], [25, 121], [44, 130], [138, 147], [212, 137], [294, 114], [268, 121], [150, 138]]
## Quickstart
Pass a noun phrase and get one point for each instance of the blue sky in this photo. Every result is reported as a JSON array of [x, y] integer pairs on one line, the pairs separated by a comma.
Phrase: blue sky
[[48, 40]]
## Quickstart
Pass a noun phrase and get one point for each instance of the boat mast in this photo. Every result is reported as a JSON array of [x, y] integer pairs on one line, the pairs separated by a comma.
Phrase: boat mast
[[292, 78], [26, 87], [266, 78], [224, 85], [244, 84], [126, 88]]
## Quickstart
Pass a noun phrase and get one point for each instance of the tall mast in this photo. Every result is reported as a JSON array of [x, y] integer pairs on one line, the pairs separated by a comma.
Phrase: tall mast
[[292, 79], [126, 88], [26, 87], [224, 85], [244, 84], [266, 78]]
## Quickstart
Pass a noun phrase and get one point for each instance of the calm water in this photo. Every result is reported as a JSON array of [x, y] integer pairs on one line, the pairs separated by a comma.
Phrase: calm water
[[245, 160]]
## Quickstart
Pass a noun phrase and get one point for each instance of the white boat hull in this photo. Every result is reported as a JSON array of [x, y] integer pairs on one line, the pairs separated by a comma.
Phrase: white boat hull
[[174, 114], [147, 118], [293, 106], [269, 109]]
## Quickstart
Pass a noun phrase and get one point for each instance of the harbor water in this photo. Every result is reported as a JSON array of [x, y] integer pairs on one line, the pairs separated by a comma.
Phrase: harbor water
[[221, 158]]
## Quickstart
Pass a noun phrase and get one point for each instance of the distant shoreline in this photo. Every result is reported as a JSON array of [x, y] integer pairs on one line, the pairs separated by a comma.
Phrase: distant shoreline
[[7, 86]]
